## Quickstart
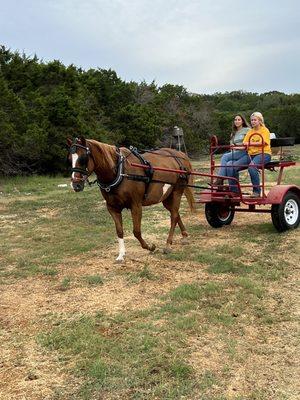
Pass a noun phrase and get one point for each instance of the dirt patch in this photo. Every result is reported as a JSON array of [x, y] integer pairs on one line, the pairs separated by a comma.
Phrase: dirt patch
[[48, 212], [28, 372]]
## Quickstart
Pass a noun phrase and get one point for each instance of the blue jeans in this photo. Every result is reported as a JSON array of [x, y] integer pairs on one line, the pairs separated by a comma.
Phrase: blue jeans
[[233, 168], [227, 157]]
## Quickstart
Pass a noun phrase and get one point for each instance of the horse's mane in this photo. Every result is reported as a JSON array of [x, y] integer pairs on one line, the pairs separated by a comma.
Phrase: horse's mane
[[107, 151]]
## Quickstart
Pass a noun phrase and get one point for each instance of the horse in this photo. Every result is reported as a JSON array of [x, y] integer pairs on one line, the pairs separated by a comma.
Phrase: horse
[[126, 186]]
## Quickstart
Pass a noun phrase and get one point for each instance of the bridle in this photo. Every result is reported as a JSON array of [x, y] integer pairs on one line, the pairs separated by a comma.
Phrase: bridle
[[84, 172]]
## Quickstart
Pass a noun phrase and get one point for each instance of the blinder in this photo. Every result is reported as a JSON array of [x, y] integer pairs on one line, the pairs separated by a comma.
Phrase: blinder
[[73, 148]]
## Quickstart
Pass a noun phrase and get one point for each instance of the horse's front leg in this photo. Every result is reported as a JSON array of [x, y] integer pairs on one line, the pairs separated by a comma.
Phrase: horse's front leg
[[136, 213], [117, 217]]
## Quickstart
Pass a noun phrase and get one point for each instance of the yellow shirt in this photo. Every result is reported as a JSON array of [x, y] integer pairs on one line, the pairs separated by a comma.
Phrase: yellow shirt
[[265, 133]]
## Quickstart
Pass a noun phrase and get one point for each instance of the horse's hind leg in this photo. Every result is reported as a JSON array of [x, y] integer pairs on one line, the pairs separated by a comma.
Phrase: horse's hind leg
[[172, 203], [136, 213], [184, 233], [117, 217]]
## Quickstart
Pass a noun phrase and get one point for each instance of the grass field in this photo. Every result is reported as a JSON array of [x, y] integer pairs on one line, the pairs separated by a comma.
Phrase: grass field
[[215, 319]]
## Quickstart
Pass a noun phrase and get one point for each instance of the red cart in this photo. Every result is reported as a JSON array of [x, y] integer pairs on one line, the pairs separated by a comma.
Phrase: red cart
[[221, 204], [283, 200]]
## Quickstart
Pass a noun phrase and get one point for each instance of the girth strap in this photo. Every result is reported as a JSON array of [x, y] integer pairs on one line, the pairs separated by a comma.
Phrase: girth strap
[[148, 171]]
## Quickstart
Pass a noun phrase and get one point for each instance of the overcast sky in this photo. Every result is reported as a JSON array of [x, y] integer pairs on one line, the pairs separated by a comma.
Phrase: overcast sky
[[205, 45]]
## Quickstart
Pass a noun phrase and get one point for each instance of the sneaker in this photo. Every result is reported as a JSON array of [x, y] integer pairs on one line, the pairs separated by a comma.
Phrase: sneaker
[[255, 195]]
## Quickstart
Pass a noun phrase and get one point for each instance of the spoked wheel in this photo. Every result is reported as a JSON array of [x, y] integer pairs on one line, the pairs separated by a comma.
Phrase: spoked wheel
[[218, 214], [286, 215]]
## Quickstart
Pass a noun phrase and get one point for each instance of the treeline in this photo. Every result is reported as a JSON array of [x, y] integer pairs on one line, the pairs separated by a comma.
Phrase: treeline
[[41, 104]]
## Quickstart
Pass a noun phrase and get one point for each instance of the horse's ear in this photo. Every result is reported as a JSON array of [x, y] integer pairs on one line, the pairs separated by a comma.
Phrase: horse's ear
[[69, 142], [82, 141]]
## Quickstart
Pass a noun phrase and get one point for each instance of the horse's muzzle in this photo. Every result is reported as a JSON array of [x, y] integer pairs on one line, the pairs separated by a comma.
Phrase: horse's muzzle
[[77, 185]]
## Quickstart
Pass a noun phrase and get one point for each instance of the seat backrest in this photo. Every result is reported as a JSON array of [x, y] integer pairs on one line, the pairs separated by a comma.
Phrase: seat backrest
[[280, 142]]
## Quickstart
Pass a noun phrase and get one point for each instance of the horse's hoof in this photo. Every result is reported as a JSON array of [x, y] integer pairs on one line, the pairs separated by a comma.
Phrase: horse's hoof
[[185, 240], [152, 247], [119, 261], [167, 250]]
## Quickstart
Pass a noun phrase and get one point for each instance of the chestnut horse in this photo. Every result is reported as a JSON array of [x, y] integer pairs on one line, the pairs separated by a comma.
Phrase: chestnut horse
[[125, 186]]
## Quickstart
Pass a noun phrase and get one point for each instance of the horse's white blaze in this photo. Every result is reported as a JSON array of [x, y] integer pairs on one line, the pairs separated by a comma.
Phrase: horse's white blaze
[[121, 250], [74, 159], [165, 188]]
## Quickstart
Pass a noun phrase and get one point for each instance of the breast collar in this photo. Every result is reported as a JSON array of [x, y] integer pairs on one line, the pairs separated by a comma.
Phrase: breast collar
[[120, 176]]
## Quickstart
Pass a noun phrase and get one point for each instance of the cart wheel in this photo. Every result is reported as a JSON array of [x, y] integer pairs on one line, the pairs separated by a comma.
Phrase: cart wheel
[[218, 214], [286, 215]]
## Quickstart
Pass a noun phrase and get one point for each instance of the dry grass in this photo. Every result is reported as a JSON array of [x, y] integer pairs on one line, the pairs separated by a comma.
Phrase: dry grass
[[216, 319]]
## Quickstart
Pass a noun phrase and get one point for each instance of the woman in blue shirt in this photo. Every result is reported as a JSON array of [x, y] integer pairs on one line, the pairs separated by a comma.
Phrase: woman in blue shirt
[[240, 128]]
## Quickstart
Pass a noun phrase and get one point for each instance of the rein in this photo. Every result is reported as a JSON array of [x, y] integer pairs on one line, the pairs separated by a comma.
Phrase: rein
[[120, 175]]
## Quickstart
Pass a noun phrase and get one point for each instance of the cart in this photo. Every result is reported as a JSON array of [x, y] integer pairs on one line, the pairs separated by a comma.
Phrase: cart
[[221, 204], [281, 201]]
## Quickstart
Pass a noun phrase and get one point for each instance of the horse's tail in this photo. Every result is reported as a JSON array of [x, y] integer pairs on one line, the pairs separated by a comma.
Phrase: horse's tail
[[189, 194]]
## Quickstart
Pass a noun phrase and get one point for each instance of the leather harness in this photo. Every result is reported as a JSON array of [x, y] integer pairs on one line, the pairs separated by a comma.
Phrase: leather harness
[[108, 187]]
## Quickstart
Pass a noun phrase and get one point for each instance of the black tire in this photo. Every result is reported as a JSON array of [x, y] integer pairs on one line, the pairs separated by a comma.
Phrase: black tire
[[286, 215], [218, 214]]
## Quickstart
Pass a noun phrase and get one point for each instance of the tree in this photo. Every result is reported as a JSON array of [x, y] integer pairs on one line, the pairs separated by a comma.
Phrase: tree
[[138, 125], [41, 104]]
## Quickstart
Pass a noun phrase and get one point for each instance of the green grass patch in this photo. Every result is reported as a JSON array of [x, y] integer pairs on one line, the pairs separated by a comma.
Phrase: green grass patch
[[65, 284], [49, 272], [186, 292], [145, 352], [144, 274], [139, 357], [93, 280], [208, 379], [47, 227], [223, 260], [225, 266], [251, 287], [187, 322]]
